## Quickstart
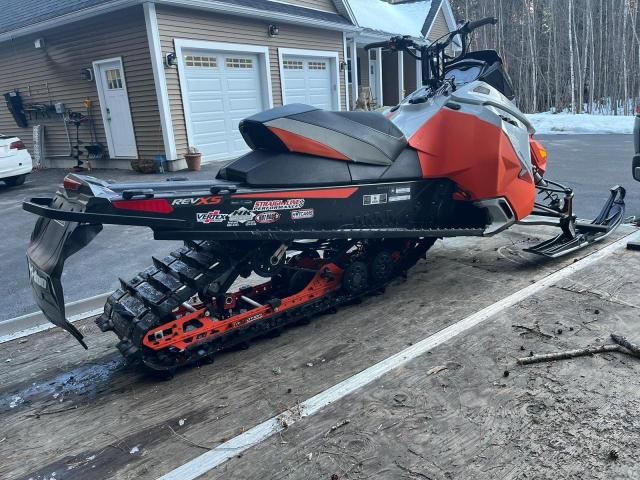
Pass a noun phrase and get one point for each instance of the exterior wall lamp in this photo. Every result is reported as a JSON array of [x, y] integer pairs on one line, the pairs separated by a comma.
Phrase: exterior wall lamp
[[274, 30]]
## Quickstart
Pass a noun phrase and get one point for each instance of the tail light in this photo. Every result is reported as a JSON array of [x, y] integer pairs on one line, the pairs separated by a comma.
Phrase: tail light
[[71, 184], [638, 110], [17, 145], [159, 205]]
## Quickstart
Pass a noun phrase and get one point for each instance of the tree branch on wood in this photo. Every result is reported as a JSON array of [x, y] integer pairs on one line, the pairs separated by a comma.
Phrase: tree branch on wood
[[622, 345]]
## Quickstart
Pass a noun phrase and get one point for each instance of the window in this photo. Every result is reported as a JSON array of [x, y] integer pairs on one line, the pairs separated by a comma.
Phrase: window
[[292, 65], [114, 80], [231, 62], [317, 66], [202, 61]]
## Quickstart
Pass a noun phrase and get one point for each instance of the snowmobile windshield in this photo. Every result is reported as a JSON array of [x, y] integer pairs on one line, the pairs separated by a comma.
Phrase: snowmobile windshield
[[463, 74]]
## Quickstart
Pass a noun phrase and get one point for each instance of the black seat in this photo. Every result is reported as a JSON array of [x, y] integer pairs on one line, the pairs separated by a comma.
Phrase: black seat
[[361, 137], [269, 169]]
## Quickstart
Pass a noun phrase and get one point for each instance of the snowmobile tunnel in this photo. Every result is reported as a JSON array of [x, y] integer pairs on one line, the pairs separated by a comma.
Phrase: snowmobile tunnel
[[361, 137]]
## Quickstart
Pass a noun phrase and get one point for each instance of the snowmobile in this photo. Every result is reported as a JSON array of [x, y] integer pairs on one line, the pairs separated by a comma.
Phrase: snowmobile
[[327, 206]]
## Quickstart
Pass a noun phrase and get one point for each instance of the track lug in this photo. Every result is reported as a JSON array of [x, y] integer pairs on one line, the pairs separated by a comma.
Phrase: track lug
[[104, 323]]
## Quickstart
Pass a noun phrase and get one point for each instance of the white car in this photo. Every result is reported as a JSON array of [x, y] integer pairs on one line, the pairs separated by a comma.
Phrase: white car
[[15, 161]]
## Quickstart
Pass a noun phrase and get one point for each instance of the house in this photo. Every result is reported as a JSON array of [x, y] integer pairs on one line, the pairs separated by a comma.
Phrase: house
[[391, 75], [145, 79]]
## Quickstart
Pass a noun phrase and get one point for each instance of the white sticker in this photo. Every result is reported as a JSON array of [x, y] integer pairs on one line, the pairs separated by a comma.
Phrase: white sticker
[[211, 217], [302, 214], [376, 199], [267, 217], [399, 198]]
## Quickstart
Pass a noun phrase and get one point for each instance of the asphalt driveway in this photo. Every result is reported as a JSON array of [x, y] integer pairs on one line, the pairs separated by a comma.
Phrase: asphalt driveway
[[590, 163]]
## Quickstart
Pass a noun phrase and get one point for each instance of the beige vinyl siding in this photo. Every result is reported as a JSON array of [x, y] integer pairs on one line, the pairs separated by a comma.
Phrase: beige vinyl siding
[[326, 5], [178, 23], [67, 51], [439, 27]]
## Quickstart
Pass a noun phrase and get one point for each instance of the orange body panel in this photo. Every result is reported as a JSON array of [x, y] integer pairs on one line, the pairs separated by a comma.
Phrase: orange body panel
[[477, 156], [299, 144]]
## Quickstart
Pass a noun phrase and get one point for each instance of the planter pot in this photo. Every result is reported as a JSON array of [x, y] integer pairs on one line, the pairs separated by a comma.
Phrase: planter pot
[[194, 160]]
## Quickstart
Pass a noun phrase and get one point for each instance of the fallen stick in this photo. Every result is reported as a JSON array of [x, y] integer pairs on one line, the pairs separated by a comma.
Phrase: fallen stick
[[623, 342], [581, 352]]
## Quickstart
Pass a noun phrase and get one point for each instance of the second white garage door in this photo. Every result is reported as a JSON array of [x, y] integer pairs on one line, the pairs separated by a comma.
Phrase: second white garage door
[[220, 90], [308, 80]]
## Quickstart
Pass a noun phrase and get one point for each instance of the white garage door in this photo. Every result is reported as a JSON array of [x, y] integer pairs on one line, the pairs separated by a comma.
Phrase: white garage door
[[221, 89], [309, 80]]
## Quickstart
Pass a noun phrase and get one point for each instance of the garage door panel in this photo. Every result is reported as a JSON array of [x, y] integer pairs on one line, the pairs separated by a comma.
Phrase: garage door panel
[[204, 85], [219, 96], [206, 107], [243, 104], [205, 127]]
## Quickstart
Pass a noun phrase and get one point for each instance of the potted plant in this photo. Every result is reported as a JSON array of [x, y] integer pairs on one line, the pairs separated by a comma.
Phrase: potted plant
[[193, 158]]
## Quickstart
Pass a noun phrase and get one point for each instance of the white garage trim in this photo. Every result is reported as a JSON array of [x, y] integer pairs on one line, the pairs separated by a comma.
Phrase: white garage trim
[[263, 56], [335, 66], [157, 63]]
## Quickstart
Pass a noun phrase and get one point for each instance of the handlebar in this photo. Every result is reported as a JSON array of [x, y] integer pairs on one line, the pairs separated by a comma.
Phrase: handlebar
[[471, 26]]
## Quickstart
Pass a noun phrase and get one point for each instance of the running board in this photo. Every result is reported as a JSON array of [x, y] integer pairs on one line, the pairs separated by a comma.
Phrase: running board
[[581, 235]]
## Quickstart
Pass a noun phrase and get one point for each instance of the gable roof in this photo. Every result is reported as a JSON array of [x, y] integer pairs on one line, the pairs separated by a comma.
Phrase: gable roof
[[413, 18], [27, 16]]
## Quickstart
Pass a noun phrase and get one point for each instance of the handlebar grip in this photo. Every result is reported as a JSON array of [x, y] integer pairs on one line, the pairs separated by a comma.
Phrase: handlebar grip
[[471, 26], [376, 45]]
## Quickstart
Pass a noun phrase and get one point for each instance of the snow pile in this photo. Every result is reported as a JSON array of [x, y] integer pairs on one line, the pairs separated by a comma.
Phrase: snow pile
[[399, 19], [567, 123]]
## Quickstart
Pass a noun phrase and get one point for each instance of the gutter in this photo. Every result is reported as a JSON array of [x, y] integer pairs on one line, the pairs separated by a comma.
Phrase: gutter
[[209, 5]]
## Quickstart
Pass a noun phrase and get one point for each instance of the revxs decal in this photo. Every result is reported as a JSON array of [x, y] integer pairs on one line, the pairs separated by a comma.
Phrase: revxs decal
[[302, 214], [268, 217], [211, 217], [186, 202], [291, 204]]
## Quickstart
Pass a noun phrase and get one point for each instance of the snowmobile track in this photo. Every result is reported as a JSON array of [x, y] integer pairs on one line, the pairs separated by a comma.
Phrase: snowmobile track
[[147, 301]]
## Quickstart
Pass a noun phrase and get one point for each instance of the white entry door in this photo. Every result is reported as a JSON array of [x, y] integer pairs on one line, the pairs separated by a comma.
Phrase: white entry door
[[309, 80], [220, 89], [114, 105], [374, 81]]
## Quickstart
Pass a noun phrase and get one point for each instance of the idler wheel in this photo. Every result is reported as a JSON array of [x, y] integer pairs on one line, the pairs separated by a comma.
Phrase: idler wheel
[[382, 267], [355, 278]]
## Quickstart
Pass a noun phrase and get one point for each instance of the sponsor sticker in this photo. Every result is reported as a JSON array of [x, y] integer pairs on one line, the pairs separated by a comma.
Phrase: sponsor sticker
[[302, 214], [376, 199], [291, 204], [197, 202], [36, 277], [400, 190], [241, 216], [399, 198], [267, 217], [211, 217]]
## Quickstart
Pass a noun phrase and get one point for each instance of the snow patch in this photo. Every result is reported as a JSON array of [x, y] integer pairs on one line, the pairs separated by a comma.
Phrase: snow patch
[[134, 450], [566, 123], [15, 401]]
